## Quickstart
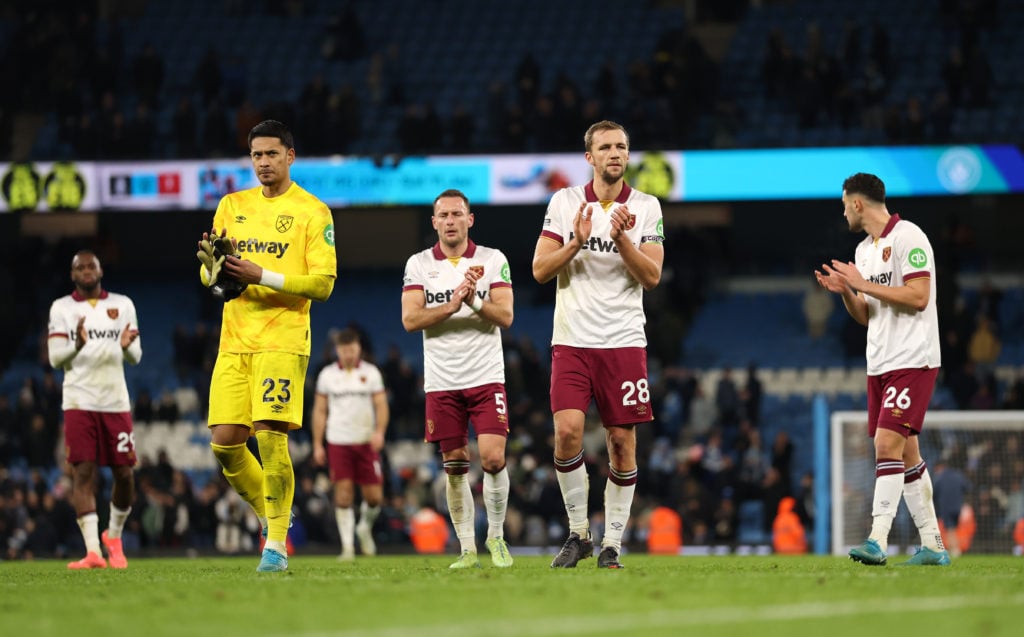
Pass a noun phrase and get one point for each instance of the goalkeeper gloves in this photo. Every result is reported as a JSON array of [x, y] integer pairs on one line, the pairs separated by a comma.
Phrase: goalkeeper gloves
[[211, 254], [211, 260]]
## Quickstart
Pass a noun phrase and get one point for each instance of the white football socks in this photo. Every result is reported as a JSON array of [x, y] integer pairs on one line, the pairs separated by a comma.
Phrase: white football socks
[[496, 487]]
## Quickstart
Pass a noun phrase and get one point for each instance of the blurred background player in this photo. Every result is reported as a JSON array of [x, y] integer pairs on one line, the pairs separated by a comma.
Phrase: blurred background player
[[287, 238], [604, 241], [92, 333], [459, 294], [351, 407], [890, 288]]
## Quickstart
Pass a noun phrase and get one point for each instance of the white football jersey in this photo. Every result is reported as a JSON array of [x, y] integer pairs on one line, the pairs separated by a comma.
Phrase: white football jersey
[[94, 377], [464, 350], [598, 304], [899, 337], [351, 419]]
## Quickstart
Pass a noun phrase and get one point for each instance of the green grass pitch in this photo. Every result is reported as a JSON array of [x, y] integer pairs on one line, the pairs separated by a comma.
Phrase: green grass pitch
[[418, 596]]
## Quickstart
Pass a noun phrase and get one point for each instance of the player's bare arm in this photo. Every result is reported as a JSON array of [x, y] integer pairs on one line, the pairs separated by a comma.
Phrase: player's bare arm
[[643, 263], [381, 415], [417, 316], [913, 294], [549, 258], [128, 336], [319, 428], [498, 310], [81, 333]]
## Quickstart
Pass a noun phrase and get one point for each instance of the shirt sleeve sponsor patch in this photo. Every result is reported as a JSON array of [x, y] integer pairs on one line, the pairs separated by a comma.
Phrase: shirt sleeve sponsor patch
[[918, 258]]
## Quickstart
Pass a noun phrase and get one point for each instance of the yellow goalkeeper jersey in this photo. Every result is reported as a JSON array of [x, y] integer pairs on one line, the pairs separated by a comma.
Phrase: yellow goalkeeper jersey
[[292, 234]]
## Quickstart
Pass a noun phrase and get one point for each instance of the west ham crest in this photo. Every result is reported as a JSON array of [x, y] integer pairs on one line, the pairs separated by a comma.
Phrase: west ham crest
[[476, 269], [284, 223], [631, 223], [886, 253], [112, 313]]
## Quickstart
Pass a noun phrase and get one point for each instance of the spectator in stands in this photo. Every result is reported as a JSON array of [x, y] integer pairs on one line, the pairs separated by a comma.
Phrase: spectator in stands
[[890, 289], [185, 127], [148, 75], [989, 301], [209, 77], [782, 459], [779, 69], [167, 408], [702, 414], [788, 534], [954, 72], [92, 333], [753, 465], [752, 396], [10, 436], [717, 464], [817, 307], [725, 520], [1013, 398], [979, 78], [773, 489], [727, 401], [457, 317], [805, 501], [344, 38], [984, 348], [40, 443], [951, 490], [461, 129], [940, 119], [217, 140]]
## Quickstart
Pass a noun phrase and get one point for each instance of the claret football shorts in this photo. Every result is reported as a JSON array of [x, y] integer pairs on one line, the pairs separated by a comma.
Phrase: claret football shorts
[[449, 413], [615, 378], [105, 438], [898, 400]]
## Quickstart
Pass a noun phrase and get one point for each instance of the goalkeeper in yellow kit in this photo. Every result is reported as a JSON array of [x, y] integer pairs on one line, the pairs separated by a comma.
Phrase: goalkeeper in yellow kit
[[270, 252]]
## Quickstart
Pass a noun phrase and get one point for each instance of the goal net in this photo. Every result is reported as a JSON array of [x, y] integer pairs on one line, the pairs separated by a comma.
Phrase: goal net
[[987, 447]]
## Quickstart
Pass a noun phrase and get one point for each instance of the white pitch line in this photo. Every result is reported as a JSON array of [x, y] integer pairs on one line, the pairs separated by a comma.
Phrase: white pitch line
[[631, 622]]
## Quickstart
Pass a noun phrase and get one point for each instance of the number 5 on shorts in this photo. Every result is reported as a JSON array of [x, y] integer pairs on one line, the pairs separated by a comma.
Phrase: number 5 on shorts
[[499, 400]]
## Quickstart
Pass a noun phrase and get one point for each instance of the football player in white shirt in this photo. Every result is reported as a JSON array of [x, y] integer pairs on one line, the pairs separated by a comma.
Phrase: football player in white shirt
[[351, 408], [604, 242], [891, 289], [459, 294], [91, 334]]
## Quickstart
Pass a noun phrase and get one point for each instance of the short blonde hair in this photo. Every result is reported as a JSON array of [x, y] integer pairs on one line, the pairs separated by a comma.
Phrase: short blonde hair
[[605, 124]]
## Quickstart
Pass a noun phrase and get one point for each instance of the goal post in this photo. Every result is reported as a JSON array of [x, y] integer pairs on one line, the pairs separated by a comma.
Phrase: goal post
[[986, 446]]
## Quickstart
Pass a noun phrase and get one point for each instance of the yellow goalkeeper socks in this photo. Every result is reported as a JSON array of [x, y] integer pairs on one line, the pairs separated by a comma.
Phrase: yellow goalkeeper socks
[[243, 473], [278, 482]]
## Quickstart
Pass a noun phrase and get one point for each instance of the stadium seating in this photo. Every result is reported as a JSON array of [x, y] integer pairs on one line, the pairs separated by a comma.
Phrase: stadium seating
[[483, 43]]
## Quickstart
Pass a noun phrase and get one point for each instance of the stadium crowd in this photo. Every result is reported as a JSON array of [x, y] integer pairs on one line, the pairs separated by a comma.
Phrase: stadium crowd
[[111, 104], [703, 457]]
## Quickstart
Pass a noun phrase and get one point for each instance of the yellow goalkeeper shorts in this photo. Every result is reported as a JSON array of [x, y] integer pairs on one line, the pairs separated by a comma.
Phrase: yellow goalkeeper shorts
[[255, 387]]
